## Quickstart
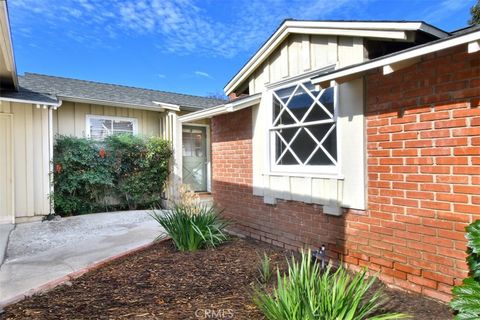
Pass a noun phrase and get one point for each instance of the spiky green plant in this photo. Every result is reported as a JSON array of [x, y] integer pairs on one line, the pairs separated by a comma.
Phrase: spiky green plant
[[308, 294], [466, 297], [192, 228], [265, 269]]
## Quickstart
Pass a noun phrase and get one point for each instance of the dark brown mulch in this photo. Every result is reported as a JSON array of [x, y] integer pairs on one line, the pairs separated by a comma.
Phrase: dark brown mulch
[[160, 283]]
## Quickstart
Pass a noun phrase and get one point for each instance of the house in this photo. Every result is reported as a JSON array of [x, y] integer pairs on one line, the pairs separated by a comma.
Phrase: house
[[362, 136], [35, 108]]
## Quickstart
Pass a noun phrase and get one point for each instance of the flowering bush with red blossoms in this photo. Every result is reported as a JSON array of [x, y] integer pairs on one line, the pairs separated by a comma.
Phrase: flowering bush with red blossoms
[[121, 172]]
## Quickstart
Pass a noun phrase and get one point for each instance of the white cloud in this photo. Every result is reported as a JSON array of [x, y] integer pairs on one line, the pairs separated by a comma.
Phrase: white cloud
[[445, 9], [178, 26], [203, 74], [161, 76]]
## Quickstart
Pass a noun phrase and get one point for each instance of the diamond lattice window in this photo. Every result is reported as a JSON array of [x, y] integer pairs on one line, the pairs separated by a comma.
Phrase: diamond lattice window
[[303, 126]]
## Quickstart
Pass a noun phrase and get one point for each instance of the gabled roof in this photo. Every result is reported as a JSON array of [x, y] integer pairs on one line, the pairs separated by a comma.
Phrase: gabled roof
[[368, 29], [110, 94], [395, 61]]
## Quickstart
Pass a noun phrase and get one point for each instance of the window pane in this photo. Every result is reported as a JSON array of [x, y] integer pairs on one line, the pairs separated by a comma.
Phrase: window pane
[[288, 159], [123, 126], [300, 103], [187, 144], [326, 99], [303, 145], [330, 144], [285, 93], [100, 128], [317, 113], [320, 159], [285, 118], [280, 147]]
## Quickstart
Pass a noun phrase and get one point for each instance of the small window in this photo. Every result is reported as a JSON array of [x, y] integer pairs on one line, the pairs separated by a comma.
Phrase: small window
[[303, 129], [99, 127]]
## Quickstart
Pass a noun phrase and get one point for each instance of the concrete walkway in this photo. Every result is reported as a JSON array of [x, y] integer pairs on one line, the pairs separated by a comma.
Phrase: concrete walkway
[[41, 254]]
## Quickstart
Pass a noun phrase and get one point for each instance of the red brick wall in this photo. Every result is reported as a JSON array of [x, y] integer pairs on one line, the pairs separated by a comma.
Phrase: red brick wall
[[423, 153]]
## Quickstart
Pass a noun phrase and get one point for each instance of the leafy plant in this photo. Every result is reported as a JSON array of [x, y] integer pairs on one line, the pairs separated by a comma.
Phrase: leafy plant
[[192, 228], [124, 171], [306, 294], [81, 177], [265, 269], [466, 297]]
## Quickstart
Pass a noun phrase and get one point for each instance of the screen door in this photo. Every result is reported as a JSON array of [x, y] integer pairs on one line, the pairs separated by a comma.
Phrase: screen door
[[194, 141]]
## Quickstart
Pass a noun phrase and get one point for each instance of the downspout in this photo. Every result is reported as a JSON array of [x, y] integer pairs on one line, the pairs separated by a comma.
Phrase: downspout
[[50, 156]]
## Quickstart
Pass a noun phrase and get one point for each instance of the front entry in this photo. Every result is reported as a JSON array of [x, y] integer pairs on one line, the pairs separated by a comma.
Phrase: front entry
[[194, 141]]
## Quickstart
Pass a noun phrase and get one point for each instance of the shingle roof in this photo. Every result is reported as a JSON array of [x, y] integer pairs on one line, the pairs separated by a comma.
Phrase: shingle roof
[[26, 95], [81, 89]]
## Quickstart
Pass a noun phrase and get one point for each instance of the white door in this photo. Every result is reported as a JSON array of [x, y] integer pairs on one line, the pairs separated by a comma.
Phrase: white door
[[6, 169]]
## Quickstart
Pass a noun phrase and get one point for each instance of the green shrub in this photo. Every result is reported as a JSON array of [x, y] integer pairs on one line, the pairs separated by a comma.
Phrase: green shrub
[[81, 176], [466, 297], [307, 293], [192, 228], [124, 171], [140, 168]]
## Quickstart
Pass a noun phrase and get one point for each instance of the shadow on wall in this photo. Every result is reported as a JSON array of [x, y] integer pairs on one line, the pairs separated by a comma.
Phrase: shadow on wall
[[288, 224]]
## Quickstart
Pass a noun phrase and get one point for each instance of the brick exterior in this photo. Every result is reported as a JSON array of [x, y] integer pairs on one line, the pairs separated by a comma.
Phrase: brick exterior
[[423, 154]]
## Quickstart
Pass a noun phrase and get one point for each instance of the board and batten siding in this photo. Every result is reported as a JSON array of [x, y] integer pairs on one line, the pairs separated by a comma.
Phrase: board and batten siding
[[70, 118], [30, 167], [7, 213], [297, 55]]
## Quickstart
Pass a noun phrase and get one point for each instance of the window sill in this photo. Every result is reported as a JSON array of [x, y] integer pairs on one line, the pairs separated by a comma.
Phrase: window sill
[[335, 176]]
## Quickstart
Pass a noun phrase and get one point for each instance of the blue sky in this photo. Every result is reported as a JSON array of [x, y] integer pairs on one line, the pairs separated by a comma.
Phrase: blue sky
[[183, 46]]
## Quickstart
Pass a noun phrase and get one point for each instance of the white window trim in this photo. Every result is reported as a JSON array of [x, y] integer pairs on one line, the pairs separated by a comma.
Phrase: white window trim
[[300, 170], [113, 118]]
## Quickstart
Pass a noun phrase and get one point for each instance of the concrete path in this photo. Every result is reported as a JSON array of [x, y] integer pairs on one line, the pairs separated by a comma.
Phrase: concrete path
[[42, 253], [5, 230]]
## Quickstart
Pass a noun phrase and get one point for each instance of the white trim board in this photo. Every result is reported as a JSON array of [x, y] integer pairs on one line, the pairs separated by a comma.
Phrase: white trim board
[[383, 30], [54, 104], [393, 62], [233, 106]]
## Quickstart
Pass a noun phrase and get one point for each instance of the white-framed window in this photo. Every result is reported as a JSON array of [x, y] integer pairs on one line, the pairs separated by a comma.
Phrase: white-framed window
[[303, 129], [99, 127]]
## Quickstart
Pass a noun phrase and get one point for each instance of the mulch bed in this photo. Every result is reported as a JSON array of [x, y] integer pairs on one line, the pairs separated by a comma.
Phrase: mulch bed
[[160, 283]]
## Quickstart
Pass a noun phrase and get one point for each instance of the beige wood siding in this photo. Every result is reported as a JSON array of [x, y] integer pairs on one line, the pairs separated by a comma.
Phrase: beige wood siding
[[301, 53], [7, 213], [297, 55], [70, 118], [24, 150], [30, 186]]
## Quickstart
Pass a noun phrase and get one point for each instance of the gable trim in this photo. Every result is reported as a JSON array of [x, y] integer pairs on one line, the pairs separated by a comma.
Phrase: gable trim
[[389, 30]]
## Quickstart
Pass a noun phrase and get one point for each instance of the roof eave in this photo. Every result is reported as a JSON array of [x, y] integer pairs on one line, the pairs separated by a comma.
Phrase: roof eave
[[110, 103], [6, 51], [384, 30], [229, 107], [399, 60]]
